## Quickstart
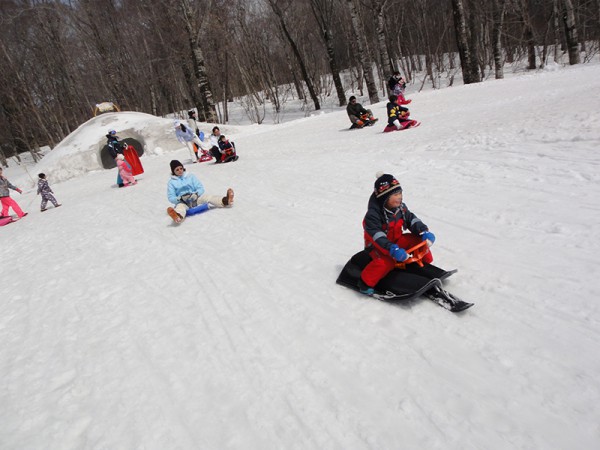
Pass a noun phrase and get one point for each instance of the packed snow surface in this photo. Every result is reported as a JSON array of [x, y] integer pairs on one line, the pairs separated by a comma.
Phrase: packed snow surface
[[119, 330]]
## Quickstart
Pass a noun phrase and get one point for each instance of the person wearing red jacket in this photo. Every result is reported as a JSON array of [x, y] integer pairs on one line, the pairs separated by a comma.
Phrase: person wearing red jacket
[[389, 229]]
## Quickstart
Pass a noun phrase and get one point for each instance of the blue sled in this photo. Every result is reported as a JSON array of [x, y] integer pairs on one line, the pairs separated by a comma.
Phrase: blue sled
[[197, 210]]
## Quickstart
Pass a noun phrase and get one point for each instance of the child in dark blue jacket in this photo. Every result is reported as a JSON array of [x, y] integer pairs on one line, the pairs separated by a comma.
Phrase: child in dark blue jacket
[[390, 228]]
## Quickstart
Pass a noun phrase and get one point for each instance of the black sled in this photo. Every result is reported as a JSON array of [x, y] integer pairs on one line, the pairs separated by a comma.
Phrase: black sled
[[404, 284]]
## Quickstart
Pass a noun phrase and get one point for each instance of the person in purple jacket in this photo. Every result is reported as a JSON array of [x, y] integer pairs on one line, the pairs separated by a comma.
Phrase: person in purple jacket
[[46, 192]]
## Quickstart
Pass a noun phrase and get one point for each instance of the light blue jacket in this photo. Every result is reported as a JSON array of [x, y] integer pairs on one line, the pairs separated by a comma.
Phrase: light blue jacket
[[188, 136], [185, 184]]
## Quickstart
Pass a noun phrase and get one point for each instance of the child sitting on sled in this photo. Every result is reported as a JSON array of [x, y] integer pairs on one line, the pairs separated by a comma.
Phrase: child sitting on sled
[[185, 191], [385, 223], [398, 116], [227, 150]]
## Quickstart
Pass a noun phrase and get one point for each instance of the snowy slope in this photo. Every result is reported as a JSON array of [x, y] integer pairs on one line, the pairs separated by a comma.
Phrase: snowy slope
[[119, 330]]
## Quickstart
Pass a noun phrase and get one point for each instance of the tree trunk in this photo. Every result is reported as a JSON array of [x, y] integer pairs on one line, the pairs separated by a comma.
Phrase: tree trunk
[[498, 18], [462, 42], [296, 51], [323, 12], [473, 48], [363, 58], [386, 62], [571, 32], [207, 111]]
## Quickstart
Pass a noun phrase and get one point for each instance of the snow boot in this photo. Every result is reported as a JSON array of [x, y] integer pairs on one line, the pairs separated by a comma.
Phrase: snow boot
[[228, 199], [173, 214], [364, 288]]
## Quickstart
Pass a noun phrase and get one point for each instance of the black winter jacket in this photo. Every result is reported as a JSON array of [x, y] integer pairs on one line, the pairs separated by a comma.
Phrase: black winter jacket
[[382, 227]]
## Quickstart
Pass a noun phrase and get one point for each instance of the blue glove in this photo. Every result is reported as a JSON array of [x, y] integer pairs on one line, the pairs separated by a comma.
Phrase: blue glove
[[399, 254], [428, 236]]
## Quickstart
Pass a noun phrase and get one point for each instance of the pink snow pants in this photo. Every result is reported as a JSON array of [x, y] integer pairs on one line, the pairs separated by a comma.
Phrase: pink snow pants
[[8, 202]]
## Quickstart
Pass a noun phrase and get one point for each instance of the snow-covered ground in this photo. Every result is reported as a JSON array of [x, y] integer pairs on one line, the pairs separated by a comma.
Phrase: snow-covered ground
[[119, 330]]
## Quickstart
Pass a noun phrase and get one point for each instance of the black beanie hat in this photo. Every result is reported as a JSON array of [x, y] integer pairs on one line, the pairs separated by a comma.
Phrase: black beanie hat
[[385, 185], [42, 175], [174, 165]]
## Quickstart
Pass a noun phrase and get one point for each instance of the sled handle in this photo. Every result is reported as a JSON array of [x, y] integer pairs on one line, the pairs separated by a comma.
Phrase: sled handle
[[416, 253]]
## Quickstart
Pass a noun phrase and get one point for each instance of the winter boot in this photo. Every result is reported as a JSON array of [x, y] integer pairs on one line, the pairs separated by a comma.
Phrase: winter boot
[[173, 214], [228, 199], [364, 289]]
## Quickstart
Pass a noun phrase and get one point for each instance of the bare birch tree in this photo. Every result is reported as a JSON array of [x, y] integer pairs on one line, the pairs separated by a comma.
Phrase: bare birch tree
[[283, 26], [462, 42], [499, 9], [323, 10], [363, 53], [570, 32], [206, 110]]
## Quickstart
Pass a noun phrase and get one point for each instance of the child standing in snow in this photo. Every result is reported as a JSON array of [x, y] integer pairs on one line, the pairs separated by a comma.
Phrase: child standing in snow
[[125, 171], [185, 191], [396, 86], [115, 147], [8, 202], [186, 136], [46, 192], [385, 223], [193, 126]]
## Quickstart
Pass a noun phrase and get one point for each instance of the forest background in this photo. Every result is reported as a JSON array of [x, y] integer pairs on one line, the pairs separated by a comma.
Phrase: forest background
[[62, 57]]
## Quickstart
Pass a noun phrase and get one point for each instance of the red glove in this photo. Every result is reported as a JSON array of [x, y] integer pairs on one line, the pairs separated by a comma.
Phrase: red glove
[[19, 191]]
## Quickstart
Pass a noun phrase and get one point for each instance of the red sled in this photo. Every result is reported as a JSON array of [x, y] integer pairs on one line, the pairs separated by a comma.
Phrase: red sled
[[6, 221], [133, 159], [405, 125]]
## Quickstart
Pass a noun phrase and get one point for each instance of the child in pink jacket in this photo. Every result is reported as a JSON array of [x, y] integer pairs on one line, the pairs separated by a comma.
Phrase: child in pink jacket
[[125, 171]]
